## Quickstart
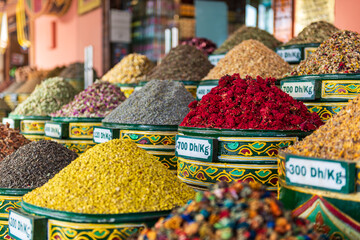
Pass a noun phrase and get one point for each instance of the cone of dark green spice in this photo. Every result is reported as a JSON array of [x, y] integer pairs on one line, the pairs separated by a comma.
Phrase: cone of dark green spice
[[32, 165], [182, 63]]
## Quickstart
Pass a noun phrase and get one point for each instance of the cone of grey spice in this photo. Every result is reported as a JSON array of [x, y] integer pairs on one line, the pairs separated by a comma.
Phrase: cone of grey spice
[[159, 102], [32, 165]]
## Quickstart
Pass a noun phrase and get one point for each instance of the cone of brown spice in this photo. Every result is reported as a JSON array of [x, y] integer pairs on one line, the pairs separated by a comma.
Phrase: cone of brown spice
[[10, 140], [182, 63], [251, 58]]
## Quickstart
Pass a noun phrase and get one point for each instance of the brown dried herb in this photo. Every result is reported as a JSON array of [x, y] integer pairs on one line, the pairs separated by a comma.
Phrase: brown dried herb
[[10, 140], [339, 54], [316, 32], [250, 58], [182, 63]]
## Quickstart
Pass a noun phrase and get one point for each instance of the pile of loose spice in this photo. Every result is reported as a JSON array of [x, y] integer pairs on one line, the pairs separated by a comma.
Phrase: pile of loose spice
[[98, 100], [246, 33], [250, 58], [48, 97], [112, 178], [338, 139], [159, 102], [249, 103], [339, 54], [131, 69], [316, 32], [182, 63], [10, 140], [32, 165], [73, 71], [203, 44], [237, 211]]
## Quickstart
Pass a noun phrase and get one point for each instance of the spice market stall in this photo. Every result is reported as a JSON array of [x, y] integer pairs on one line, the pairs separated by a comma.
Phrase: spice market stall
[[113, 203], [150, 118], [235, 131], [329, 78], [319, 176], [73, 125]]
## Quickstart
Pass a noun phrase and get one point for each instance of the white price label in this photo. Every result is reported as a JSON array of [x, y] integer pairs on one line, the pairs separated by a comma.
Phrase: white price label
[[304, 90], [101, 135], [203, 90], [290, 55], [322, 174], [53, 130], [20, 226], [192, 147]]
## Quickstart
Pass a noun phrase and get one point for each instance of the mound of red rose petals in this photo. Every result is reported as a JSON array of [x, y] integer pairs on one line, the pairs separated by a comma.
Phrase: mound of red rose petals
[[248, 103]]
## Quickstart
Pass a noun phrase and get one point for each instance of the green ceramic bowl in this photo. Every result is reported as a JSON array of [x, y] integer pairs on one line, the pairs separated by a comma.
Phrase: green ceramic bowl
[[9, 199], [324, 87], [206, 156], [311, 188], [93, 226], [294, 54]]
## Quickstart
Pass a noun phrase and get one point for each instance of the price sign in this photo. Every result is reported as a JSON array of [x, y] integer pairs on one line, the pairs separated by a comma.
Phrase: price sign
[[196, 148]]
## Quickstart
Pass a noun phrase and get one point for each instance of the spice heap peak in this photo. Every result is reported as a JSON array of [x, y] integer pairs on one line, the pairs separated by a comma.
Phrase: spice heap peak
[[119, 177], [98, 100], [316, 32], [249, 103], [250, 58], [246, 33], [10, 140], [338, 139], [182, 63], [159, 102], [339, 54], [34, 164], [47, 98]]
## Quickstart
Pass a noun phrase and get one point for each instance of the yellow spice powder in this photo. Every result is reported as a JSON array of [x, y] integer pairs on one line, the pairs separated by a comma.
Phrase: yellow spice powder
[[112, 178], [338, 139], [131, 69]]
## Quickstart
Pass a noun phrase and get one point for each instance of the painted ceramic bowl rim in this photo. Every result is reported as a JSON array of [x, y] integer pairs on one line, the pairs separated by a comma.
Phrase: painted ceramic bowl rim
[[76, 119], [144, 127], [282, 153], [125, 84], [298, 46], [23, 117], [77, 79], [209, 82], [241, 133], [15, 191], [93, 218], [185, 82], [336, 76]]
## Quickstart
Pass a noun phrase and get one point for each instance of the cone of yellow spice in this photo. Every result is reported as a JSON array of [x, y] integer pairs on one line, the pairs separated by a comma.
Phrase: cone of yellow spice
[[115, 177]]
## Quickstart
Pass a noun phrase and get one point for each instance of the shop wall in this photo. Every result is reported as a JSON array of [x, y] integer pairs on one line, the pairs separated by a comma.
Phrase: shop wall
[[347, 14], [72, 34]]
